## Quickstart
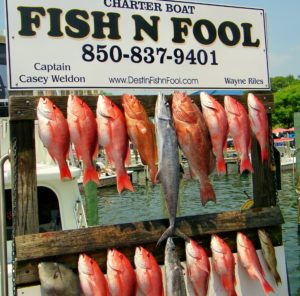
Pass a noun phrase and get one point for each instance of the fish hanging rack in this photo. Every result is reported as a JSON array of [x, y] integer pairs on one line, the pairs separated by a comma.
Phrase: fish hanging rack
[[64, 246]]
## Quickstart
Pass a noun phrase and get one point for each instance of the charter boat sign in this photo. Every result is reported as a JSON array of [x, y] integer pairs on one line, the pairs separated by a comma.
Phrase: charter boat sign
[[135, 44]]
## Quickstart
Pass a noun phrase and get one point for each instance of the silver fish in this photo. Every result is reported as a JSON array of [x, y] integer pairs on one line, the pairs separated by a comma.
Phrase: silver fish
[[168, 161], [58, 280], [269, 253], [174, 277]]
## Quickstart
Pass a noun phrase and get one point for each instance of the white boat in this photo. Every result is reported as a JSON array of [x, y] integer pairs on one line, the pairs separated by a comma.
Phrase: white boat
[[60, 203], [287, 153]]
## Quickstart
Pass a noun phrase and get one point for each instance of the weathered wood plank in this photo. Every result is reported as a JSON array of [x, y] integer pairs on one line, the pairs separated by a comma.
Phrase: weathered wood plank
[[24, 107], [263, 180], [132, 234], [23, 159], [27, 272], [97, 244]]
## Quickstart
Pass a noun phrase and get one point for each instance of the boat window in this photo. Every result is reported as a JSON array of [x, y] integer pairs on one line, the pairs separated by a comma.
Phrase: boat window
[[49, 215]]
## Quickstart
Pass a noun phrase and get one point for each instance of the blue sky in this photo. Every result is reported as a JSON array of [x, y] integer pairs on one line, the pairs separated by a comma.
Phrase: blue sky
[[283, 34]]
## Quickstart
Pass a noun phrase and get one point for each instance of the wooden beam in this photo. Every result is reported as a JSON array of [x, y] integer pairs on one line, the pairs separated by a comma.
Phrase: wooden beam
[[132, 234], [24, 107], [64, 246], [23, 170]]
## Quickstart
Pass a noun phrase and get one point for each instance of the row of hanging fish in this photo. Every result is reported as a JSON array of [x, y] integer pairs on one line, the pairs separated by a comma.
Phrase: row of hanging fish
[[86, 133], [202, 135], [147, 279]]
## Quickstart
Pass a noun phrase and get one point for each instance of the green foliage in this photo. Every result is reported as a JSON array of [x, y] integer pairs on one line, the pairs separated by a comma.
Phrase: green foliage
[[286, 99], [280, 82]]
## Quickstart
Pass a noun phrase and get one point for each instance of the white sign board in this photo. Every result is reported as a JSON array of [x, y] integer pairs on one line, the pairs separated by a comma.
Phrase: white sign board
[[135, 44]]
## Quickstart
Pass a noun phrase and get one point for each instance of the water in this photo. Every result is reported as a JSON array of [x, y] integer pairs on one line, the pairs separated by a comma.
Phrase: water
[[147, 203]]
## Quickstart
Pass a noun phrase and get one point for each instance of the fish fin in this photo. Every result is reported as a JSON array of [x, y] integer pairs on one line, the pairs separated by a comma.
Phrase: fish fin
[[141, 127], [246, 165], [207, 193], [265, 285], [90, 174], [169, 232], [153, 173], [264, 154], [65, 173], [182, 235], [277, 278], [123, 182], [221, 166]]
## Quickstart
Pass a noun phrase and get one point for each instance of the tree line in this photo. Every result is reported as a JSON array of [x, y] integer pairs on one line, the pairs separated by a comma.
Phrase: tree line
[[286, 92]]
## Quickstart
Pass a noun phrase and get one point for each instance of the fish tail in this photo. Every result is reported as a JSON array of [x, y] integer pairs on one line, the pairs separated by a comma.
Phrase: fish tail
[[90, 174], [277, 278], [246, 165], [169, 232], [153, 173], [207, 193], [221, 166], [123, 182], [65, 173], [265, 285], [264, 154]]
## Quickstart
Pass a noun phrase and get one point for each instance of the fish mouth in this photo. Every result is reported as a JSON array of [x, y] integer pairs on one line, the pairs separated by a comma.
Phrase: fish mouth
[[251, 101], [191, 251], [112, 253], [141, 261], [206, 101], [232, 107], [105, 115]]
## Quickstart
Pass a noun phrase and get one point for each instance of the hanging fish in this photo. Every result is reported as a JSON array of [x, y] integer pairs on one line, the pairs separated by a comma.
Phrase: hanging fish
[[174, 277], [269, 254], [249, 260], [240, 130], [259, 123], [91, 277], [216, 120], [121, 277], [194, 141], [54, 133], [57, 279], [168, 162], [148, 274], [197, 269], [141, 132], [83, 131], [114, 139], [223, 264]]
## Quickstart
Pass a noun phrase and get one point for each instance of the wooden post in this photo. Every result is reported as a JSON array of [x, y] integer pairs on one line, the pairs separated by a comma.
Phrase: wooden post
[[264, 190], [23, 168]]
